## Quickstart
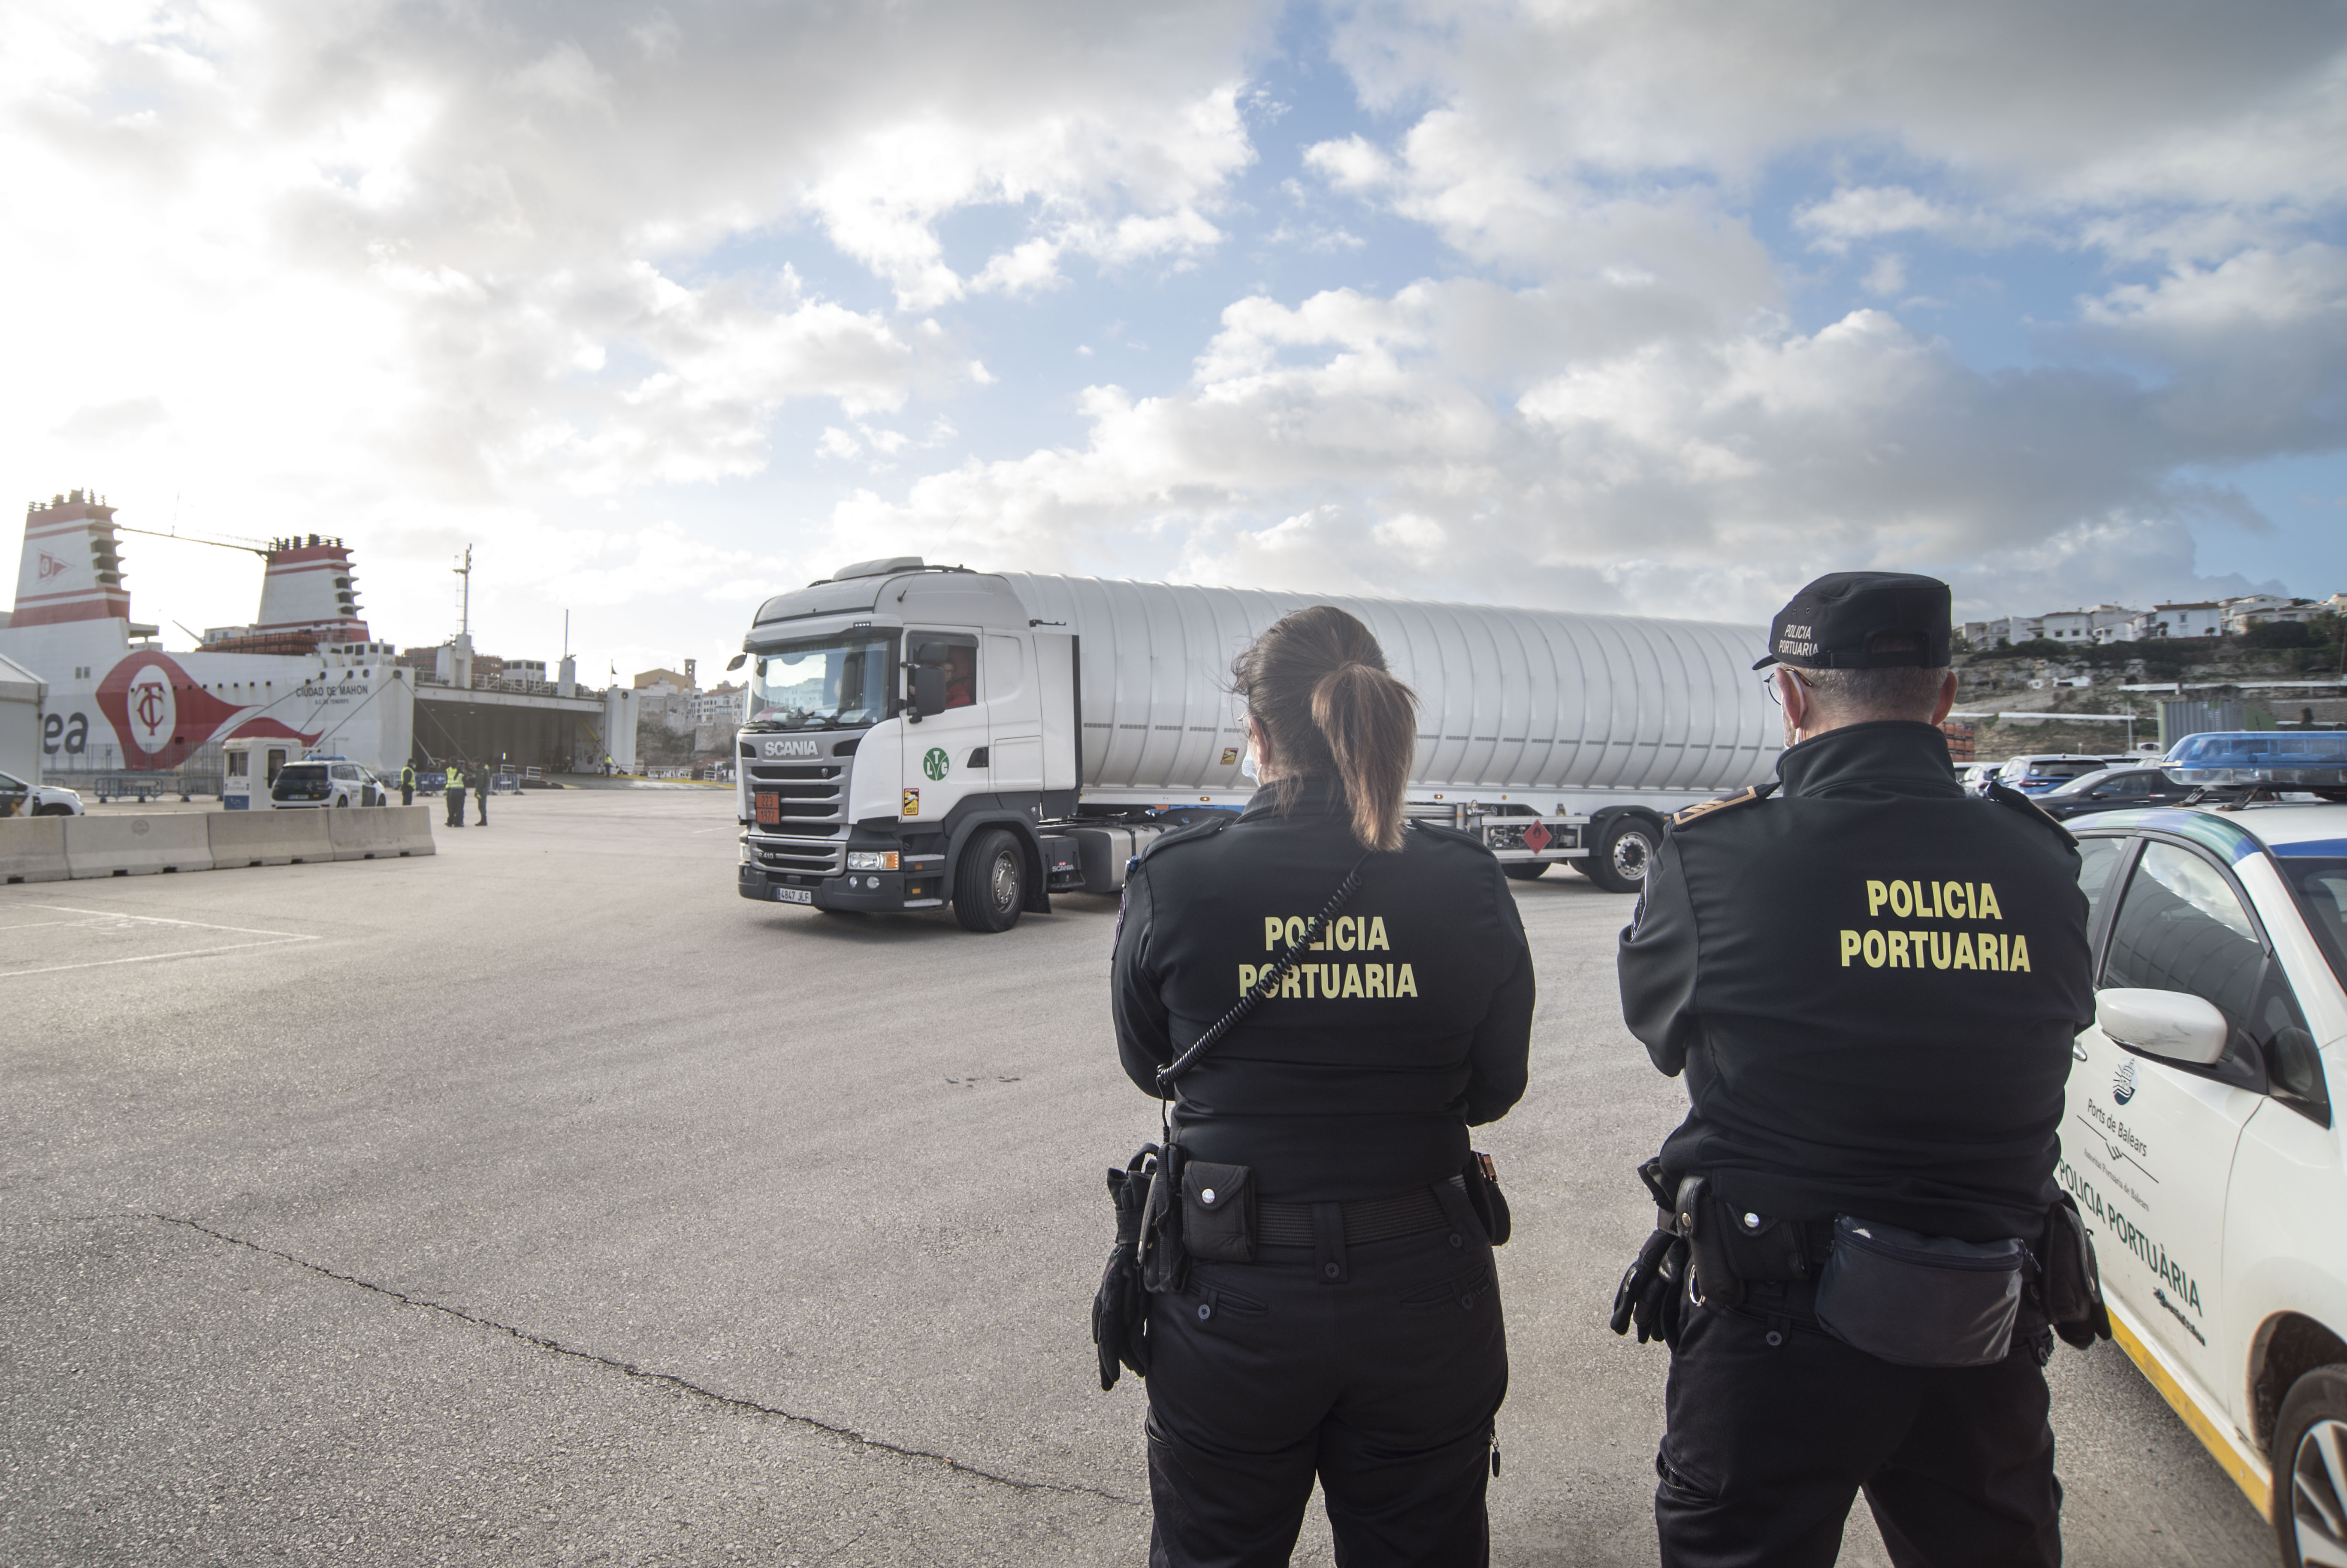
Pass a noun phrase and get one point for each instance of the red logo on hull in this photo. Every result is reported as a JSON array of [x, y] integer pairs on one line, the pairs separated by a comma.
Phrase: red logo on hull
[[158, 711]]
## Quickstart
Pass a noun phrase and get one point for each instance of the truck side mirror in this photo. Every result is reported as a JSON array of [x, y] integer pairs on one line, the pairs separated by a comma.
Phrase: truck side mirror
[[928, 688], [2174, 1025], [736, 662]]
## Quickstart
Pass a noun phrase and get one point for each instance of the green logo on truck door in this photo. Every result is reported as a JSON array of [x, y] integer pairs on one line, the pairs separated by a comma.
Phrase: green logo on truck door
[[937, 764]]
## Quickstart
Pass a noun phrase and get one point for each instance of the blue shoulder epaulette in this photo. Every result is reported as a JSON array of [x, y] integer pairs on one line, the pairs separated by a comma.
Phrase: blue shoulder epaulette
[[1702, 809], [2011, 799]]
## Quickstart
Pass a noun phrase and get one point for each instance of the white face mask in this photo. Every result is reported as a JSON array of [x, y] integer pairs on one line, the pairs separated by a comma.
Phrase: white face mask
[[1246, 763]]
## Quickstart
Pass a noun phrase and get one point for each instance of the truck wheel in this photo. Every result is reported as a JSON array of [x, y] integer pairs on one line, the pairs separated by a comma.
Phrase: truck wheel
[[2310, 1452], [1624, 852], [1523, 870], [990, 885]]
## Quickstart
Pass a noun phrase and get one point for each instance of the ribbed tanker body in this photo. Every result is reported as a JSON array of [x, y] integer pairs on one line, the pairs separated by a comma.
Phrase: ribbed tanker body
[[919, 736], [1522, 702]]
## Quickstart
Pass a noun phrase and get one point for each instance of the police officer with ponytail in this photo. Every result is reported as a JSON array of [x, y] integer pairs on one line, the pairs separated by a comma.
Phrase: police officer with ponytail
[[1870, 981], [1324, 1302]]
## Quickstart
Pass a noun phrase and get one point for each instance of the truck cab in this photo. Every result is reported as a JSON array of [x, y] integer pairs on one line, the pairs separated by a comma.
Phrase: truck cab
[[895, 753]]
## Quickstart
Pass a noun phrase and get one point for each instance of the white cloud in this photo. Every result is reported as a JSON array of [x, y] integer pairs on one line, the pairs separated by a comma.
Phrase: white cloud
[[376, 263], [1340, 444], [1863, 212], [502, 273]]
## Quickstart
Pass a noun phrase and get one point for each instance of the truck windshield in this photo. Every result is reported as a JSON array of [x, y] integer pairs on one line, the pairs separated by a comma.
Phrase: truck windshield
[[835, 684]]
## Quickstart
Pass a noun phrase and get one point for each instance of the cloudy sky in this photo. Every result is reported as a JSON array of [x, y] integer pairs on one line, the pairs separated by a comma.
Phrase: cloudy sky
[[1649, 306]]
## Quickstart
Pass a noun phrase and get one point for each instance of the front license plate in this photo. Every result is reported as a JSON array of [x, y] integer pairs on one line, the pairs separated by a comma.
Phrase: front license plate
[[793, 896]]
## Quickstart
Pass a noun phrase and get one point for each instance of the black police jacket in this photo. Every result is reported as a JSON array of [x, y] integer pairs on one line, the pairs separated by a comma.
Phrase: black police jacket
[[1871, 980], [1409, 1022]]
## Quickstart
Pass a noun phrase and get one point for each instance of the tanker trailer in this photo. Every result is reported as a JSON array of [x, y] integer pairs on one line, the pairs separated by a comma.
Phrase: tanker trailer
[[921, 736]]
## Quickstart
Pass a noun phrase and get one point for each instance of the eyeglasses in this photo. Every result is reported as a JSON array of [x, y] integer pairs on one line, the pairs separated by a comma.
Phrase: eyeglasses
[[1768, 683]]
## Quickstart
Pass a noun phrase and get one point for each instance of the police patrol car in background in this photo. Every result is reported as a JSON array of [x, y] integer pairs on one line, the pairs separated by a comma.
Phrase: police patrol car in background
[[18, 798], [2202, 1137]]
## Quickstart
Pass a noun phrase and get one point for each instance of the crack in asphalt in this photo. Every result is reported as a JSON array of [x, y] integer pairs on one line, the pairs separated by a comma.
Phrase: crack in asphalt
[[878, 1445]]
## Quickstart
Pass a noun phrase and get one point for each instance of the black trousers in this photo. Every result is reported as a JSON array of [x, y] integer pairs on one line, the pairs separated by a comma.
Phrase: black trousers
[[1768, 1445], [481, 806], [456, 808], [407, 795], [1378, 1369]]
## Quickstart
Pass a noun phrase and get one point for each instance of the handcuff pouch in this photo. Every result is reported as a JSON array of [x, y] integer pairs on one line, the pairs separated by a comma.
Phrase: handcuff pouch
[[1219, 1211]]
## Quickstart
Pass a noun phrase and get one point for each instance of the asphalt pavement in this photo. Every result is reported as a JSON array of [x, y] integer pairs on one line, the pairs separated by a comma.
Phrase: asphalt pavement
[[544, 1202]]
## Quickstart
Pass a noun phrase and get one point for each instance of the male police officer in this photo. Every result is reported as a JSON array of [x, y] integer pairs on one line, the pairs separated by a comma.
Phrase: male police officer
[[455, 788], [1871, 980], [407, 782]]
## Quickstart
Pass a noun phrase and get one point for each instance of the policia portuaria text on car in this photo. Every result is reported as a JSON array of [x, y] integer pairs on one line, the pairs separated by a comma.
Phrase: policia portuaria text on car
[[1871, 980], [1317, 1241]]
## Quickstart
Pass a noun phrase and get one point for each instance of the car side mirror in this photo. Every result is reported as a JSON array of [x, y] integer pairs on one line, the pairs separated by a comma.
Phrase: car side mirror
[[2175, 1026]]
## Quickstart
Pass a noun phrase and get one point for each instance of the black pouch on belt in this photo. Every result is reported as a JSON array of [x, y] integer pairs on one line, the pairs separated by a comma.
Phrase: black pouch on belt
[[1480, 1179], [1219, 1211], [1164, 1261], [1920, 1300], [2072, 1285]]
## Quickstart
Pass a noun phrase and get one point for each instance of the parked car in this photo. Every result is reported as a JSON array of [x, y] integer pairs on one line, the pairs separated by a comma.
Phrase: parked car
[[321, 782], [1973, 776], [2036, 774], [2200, 1137], [2114, 789], [18, 798]]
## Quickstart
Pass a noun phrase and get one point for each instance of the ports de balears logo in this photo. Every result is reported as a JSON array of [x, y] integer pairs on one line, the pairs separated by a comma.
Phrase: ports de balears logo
[[2123, 1082]]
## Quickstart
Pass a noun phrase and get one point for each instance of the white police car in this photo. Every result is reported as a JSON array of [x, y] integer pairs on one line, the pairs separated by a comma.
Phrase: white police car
[[2201, 1138], [18, 798]]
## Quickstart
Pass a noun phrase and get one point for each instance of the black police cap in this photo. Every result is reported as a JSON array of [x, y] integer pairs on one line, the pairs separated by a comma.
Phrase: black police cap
[[1839, 622]]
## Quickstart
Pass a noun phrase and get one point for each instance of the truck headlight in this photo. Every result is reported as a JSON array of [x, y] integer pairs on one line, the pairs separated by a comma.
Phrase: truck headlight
[[872, 860]]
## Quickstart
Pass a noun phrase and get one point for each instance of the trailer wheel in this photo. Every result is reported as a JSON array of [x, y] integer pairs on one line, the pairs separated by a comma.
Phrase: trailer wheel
[[1624, 853], [990, 884], [1523, 870]]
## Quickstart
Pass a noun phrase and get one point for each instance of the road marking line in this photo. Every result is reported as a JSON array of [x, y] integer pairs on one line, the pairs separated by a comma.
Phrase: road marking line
[[167, 920], [153, 957]]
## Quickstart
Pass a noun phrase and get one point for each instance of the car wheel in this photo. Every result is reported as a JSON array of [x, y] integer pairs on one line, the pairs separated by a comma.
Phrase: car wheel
[[990, 887], [2310, 1452], [1623, 853], [53, 811], [1523, 870]]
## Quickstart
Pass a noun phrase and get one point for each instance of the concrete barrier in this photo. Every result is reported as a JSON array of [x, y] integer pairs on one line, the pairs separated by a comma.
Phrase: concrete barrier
[[380, 832], [33, 849], [242, 838], [137, 845]]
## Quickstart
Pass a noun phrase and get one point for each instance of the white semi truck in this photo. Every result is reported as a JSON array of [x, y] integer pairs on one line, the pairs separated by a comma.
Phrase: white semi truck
[[920, 737]]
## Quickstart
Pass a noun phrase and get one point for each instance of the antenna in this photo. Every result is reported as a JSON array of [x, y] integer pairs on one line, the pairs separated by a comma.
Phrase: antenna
[[465, 594], [566, 634]]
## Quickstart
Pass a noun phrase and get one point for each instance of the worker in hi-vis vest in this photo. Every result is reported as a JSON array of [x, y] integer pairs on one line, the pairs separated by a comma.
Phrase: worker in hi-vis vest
[[455, 791]]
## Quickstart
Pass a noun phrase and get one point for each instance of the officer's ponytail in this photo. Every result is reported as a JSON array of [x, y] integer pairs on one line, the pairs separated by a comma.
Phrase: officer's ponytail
[[1317, 682]]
